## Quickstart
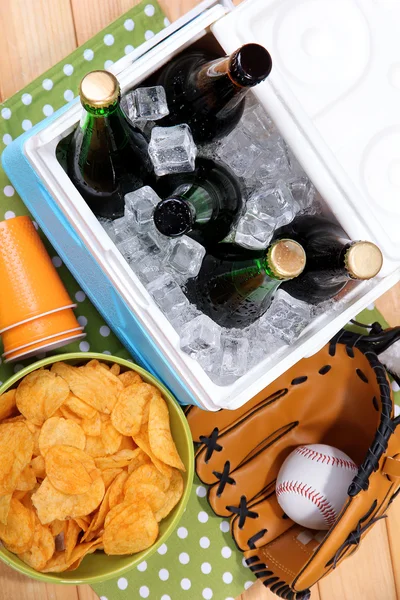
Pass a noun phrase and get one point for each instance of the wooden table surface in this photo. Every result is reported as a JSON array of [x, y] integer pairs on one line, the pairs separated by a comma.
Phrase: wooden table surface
[[35, 35]]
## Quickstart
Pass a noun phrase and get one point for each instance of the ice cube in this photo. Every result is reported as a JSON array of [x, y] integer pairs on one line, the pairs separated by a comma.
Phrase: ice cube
[[240, 152], [108, 226], [172, 149], [286, 318], [257, 124], [273, 162], [235, 352], [147, 103], [185, 257], [295, 167], [124, 228], [274, 205], [140, 206], [153, 242], [130, 249], [252, 232], [168, 295], [303, 192], [200, 334], [188, 313], [147, 270]]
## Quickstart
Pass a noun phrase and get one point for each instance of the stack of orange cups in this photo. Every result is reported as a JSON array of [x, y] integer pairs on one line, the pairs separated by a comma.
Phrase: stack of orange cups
[[35, 309]]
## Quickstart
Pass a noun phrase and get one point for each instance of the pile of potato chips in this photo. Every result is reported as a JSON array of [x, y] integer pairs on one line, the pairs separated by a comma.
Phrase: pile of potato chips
[[87, 462]]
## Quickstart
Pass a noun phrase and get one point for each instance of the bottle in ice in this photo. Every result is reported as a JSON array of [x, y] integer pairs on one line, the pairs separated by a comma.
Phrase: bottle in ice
[[208, 93], [235, 286], [332, 259], [107, 155], [204, 204]]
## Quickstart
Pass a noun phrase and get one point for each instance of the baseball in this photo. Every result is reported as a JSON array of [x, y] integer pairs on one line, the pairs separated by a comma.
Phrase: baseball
[[312, 485]]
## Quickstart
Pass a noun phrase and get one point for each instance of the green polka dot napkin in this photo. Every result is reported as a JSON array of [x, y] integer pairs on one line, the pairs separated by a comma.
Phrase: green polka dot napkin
[[199, 560]]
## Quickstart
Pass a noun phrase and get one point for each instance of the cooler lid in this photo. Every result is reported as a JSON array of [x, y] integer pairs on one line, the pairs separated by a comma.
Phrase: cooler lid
[[336, 78]]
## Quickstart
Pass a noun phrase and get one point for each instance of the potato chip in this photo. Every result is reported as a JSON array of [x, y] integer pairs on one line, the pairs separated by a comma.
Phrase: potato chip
[[130, 377], [82, 523], [8, 404], [16, 446], [42, 548], [70, 470], [38, 467], [127, 414], [161, 443], [107, 443], [117, 492], [52, 504], [127, 443], [35, 431], [147, 474], [17, 535], [58, 562], [97, 545], [71, 538], [57, 430], [92, 384], [5, 502], [27, 479], [140, 458], [92, 426], [115, 369], [109, 475], [130, 530], [98, 519], [72, 477], [173, 494], [79, 407], [142, 440], [57, 526], [40, 394], [146, 492], [67, 413]]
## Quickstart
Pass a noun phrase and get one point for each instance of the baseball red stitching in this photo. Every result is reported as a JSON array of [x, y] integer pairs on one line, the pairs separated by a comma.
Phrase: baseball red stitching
[[325, 508], [325, 458]]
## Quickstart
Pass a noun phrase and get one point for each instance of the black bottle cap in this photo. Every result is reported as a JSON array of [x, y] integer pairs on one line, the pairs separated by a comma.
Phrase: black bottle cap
[[250, 65], [173, 217]]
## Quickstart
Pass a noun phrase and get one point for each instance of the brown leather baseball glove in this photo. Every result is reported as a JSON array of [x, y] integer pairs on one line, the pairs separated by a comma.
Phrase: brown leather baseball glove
[[340, 396]]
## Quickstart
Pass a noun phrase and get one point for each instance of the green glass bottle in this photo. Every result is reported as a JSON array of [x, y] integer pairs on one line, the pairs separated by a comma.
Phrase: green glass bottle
[[205, 204], [107, 155], [235, 286]]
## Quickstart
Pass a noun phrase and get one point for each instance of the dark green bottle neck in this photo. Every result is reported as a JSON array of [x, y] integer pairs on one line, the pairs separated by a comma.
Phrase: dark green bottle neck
[[109, 123], [190, 205]]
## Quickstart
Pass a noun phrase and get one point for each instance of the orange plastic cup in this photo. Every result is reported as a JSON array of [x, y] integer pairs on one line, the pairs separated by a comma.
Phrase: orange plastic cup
[[38, 329], [45, 345], [30, 284]]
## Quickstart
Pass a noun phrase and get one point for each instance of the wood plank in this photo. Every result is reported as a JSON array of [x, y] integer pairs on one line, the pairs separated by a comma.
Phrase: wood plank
[[89, 19], [35, 35], [393, 528], [258, 592], [389, 305], [367, 575], [85, 592], [15, 586]]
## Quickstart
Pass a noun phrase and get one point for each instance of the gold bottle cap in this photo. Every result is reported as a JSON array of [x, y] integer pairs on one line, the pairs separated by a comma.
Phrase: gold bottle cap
[[363, 260], [286, 259], [99, 89]]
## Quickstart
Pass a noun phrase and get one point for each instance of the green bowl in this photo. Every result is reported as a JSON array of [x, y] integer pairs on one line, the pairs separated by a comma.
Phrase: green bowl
[[98, 566]]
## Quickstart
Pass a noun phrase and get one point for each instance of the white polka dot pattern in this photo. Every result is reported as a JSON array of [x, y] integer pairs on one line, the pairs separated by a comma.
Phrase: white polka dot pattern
[[122, 583], [186, 584]]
